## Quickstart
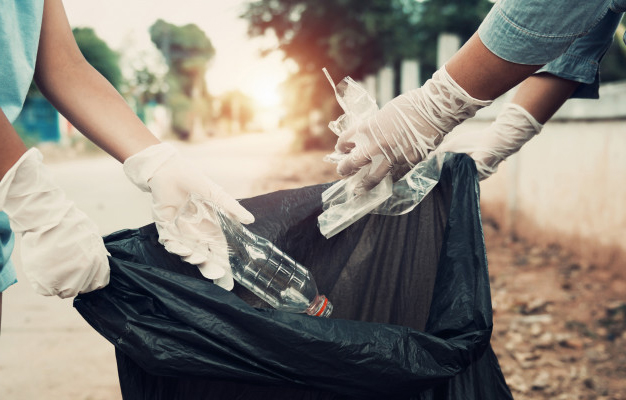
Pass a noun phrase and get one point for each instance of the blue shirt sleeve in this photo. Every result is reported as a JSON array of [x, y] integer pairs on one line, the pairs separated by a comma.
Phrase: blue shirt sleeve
[[20, 26], [538, 31], [7, 240]]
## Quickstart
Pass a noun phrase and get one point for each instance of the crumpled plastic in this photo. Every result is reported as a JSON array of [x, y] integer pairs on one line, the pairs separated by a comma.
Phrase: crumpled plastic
[[342, 205]]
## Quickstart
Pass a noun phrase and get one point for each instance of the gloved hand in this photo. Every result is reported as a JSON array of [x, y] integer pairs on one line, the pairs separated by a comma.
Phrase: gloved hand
[[61, 251], [405, 130], [513, 127], [162, 171]]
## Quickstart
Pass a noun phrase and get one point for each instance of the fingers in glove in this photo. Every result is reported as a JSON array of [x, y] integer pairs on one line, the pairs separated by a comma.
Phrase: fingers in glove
[[346, 142], [75, 250], [227, 282], [176, 247], [195, 258], [378, 170], [231, 206], [357, 159], [213, 268], [236, 210]]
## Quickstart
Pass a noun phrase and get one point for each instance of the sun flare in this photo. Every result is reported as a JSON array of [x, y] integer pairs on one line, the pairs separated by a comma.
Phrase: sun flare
[[265, 93]]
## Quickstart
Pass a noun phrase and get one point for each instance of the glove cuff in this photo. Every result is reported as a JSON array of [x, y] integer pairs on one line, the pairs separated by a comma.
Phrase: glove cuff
[[513, 127], [142, 166], [514, 113], [444, 103], [31, 156], [457, 91]]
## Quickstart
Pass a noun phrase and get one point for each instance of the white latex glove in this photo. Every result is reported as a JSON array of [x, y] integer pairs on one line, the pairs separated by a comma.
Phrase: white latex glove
[[61, 250], [162, 171], [513, 127], [405, 130]]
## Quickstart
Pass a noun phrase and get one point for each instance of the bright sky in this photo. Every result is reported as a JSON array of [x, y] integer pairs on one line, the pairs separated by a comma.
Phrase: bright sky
[[124, 24]]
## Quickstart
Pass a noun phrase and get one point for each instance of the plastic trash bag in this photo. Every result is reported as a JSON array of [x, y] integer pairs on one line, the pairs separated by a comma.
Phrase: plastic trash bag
[[412, 317]]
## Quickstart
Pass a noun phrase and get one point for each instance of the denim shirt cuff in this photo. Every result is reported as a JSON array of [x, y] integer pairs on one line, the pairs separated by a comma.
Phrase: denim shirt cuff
[[516, 44]]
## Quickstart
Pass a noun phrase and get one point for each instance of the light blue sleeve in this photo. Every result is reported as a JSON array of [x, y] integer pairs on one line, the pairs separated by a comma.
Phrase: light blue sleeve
[[7, 240], [20, 26], [581, 61], [537, 31]]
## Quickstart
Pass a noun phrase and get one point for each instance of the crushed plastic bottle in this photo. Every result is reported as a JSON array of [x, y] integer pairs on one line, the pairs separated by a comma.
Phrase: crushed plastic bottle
[[342, 205], [256, 263]]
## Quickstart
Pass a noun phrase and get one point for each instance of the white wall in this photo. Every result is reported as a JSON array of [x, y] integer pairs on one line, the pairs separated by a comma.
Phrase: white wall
[[566, 186]]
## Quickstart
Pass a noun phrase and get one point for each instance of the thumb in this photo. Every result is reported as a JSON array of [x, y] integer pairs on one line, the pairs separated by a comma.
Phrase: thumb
[[231, 206]]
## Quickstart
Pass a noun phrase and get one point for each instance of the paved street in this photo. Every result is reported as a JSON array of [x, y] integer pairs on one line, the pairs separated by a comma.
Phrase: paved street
[[47, 351]]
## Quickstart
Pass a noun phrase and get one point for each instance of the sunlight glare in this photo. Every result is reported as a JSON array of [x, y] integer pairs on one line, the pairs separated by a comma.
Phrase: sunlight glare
[[265, 93]]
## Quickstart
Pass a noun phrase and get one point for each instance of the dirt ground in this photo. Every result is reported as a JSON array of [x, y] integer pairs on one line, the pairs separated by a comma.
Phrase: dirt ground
[[559, 322]]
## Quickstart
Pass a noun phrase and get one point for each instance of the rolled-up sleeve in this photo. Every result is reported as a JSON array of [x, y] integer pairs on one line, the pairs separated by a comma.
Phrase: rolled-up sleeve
[[536, 32], [581, 61]]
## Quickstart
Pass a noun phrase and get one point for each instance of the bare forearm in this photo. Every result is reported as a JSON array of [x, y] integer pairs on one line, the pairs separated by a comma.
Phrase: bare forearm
[[81, 94], [96, 109], [484, 75], [543, 94], [11, 146]]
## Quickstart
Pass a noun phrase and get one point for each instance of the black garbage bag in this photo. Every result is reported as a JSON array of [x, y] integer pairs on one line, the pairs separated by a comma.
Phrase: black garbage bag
[[412, 308]]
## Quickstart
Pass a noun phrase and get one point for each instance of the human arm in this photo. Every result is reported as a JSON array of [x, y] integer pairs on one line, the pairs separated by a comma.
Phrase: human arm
[[12, 146], [406, 129], [533, 104], [62, 252], [91, 104], [514, 40], [81, 93]]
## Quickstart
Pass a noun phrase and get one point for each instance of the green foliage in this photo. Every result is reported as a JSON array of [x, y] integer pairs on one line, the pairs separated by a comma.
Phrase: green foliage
[[187, 51], [461, 17], [347, 36], [180, 106], [99, 55], [355, 38], [146, 85]]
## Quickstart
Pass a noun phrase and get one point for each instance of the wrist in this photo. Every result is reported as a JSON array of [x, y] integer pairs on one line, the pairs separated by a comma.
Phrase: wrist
[[523, 120], [444, 104], [18, 177], [513, 127], [142, 166]]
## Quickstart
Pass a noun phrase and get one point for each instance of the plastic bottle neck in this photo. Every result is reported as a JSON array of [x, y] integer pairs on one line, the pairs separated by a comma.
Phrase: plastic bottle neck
[[320, 307]]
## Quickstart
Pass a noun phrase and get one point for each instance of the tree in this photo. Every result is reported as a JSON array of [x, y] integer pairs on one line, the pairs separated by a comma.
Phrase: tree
[[187, 51], [237, 109], [355, 38]]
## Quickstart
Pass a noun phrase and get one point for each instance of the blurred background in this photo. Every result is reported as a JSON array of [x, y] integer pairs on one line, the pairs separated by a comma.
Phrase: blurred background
[[238, 86]]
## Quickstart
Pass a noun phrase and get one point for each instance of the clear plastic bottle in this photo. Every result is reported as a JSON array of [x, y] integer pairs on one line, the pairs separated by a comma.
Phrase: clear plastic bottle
[[256, 263]]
